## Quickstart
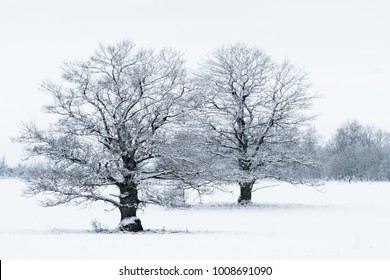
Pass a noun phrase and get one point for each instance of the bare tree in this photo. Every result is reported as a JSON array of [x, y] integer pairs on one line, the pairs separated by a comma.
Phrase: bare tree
[[254, 110], [114, 112], [358, 152], [4, 168]]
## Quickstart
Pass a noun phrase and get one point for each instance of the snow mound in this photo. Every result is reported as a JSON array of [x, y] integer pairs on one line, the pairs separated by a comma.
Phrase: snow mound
[[132, 224], [128, 221]]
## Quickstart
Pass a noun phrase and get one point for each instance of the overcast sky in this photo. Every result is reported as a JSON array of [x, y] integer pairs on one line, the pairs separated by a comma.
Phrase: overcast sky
[[344, 45]]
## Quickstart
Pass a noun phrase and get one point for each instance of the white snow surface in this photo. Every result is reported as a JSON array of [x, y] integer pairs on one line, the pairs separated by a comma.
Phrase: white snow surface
[[343, 221]]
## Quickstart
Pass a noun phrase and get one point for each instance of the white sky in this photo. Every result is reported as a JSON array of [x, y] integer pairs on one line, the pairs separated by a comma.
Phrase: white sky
[[344, 44]]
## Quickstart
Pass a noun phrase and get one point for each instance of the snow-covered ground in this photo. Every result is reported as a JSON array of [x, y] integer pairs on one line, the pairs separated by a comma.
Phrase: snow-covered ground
[[344, 221]]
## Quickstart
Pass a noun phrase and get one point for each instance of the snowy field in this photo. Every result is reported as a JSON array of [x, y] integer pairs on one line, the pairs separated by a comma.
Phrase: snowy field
[[343, 221]]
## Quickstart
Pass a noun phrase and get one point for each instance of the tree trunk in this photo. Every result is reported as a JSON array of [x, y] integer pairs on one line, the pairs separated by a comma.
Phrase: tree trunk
[[246, 192], [129, 205]]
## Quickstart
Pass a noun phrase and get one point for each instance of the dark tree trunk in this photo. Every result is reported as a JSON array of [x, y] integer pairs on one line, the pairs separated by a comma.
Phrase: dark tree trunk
[[129, 201], [246, 192]]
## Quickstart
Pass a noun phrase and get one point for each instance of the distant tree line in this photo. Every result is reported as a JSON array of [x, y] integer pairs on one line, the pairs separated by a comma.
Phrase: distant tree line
[[4, 168], [357, 152], [13, 172]]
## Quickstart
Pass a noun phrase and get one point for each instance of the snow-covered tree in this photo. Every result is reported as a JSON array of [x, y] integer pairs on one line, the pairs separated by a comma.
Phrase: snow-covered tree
[[4, 169], [358, 152], [115, 113], [309, 144], [254, 110]]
